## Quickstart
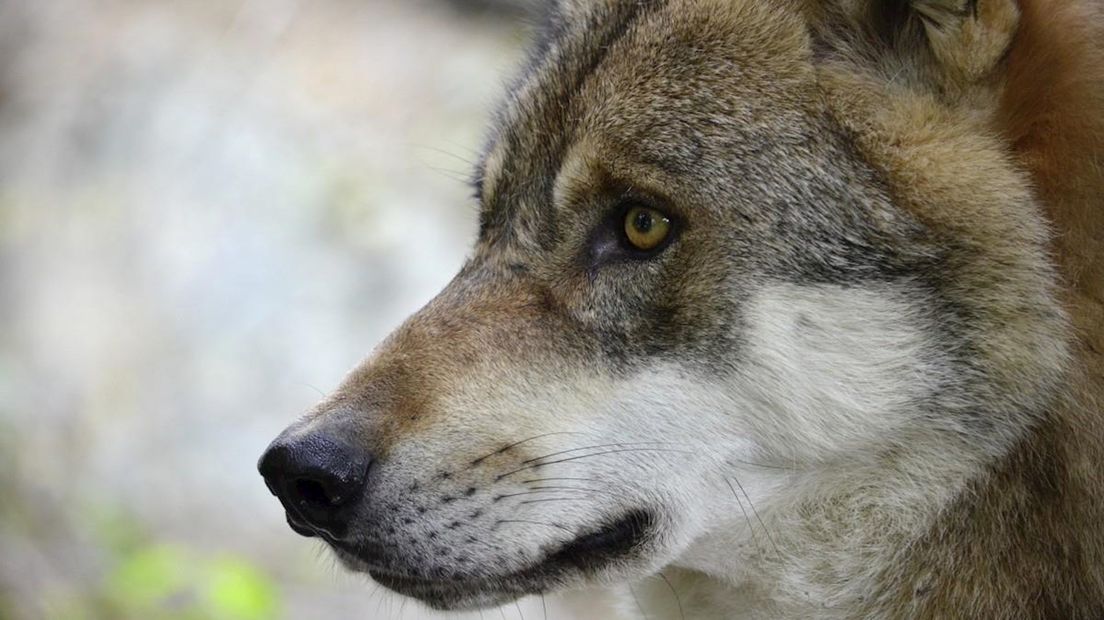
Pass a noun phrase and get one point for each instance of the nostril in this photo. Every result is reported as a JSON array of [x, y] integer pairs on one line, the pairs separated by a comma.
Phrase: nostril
[[313, 493], [318, 478]]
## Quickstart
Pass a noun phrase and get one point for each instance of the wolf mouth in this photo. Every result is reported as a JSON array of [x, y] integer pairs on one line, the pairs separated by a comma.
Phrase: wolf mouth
[[586, 553]]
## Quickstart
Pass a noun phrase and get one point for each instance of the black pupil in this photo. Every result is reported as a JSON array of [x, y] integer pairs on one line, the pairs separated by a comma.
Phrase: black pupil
[[643, 221]]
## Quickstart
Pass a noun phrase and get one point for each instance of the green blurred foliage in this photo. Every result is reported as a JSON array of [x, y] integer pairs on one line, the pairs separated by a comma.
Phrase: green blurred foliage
[[152, 580]]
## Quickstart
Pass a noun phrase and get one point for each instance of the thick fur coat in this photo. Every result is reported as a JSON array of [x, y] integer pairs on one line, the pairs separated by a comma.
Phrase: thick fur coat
[[860, 376]]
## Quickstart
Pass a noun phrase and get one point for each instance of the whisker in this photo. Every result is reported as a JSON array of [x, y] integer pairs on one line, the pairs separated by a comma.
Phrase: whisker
[[638, 605], [553, 499], [747, 518], [440, 151], [313, 387], [532, 480], [758, 518], [452, 175], [518, 606], [557, 526], [508, 495], [606, 445], [560, 488], [678, 599], [761, 465], [544, 606], [575, 458], [518, 443]]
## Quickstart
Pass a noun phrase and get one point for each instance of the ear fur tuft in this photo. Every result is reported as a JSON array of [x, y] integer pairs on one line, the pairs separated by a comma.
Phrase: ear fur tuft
[[968, 37], [964, 40]]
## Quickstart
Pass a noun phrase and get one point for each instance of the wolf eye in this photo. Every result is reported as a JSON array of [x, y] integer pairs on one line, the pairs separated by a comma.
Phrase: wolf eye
[[646, 228]]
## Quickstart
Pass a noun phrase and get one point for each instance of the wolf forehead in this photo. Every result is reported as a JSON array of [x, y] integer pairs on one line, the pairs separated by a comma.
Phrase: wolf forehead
[[708, 108], [658, 95]]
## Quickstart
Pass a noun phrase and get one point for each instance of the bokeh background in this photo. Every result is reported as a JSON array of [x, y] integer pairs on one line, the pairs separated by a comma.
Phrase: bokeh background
[[209, 211]]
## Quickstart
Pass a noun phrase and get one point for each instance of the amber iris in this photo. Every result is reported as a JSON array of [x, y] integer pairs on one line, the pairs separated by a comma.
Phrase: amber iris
[[646, 228]]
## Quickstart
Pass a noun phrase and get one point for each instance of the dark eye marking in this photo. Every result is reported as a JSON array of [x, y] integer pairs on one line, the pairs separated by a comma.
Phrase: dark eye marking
[[634, 230]]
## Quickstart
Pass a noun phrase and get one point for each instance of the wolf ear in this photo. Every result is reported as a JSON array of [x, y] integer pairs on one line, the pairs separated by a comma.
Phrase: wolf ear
[[966, 38], [559, 14], [568, 10]]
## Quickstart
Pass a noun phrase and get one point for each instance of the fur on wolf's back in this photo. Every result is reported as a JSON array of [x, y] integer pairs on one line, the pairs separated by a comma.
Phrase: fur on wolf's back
[[1025, 537]]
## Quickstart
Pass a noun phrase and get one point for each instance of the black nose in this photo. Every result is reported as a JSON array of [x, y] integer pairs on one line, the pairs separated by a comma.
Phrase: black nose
[[318, 480]]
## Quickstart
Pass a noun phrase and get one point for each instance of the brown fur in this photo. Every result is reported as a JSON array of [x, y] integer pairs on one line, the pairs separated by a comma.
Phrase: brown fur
[[1052, 110], [935, 163], [1026, 539], [1019, 544], [436, 352]]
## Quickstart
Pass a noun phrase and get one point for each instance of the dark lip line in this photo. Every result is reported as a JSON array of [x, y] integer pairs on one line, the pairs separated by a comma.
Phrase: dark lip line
[[623, 534], [375, 570], [530, 580]]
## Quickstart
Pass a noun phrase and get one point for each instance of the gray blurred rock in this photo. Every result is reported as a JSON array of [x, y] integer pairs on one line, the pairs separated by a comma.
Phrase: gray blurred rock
[[508, 8]]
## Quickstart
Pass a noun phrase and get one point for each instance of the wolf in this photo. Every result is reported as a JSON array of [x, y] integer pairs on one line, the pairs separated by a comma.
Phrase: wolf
[[778, 309]]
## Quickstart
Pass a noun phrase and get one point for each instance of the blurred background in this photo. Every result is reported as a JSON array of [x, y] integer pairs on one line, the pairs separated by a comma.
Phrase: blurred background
[[209, 211]]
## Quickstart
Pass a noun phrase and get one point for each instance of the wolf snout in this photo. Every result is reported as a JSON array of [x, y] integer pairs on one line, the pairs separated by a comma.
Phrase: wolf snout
[[318, 478]]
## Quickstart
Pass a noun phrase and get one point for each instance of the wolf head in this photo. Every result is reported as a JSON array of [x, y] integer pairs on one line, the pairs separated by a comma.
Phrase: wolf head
[[753, 279]]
